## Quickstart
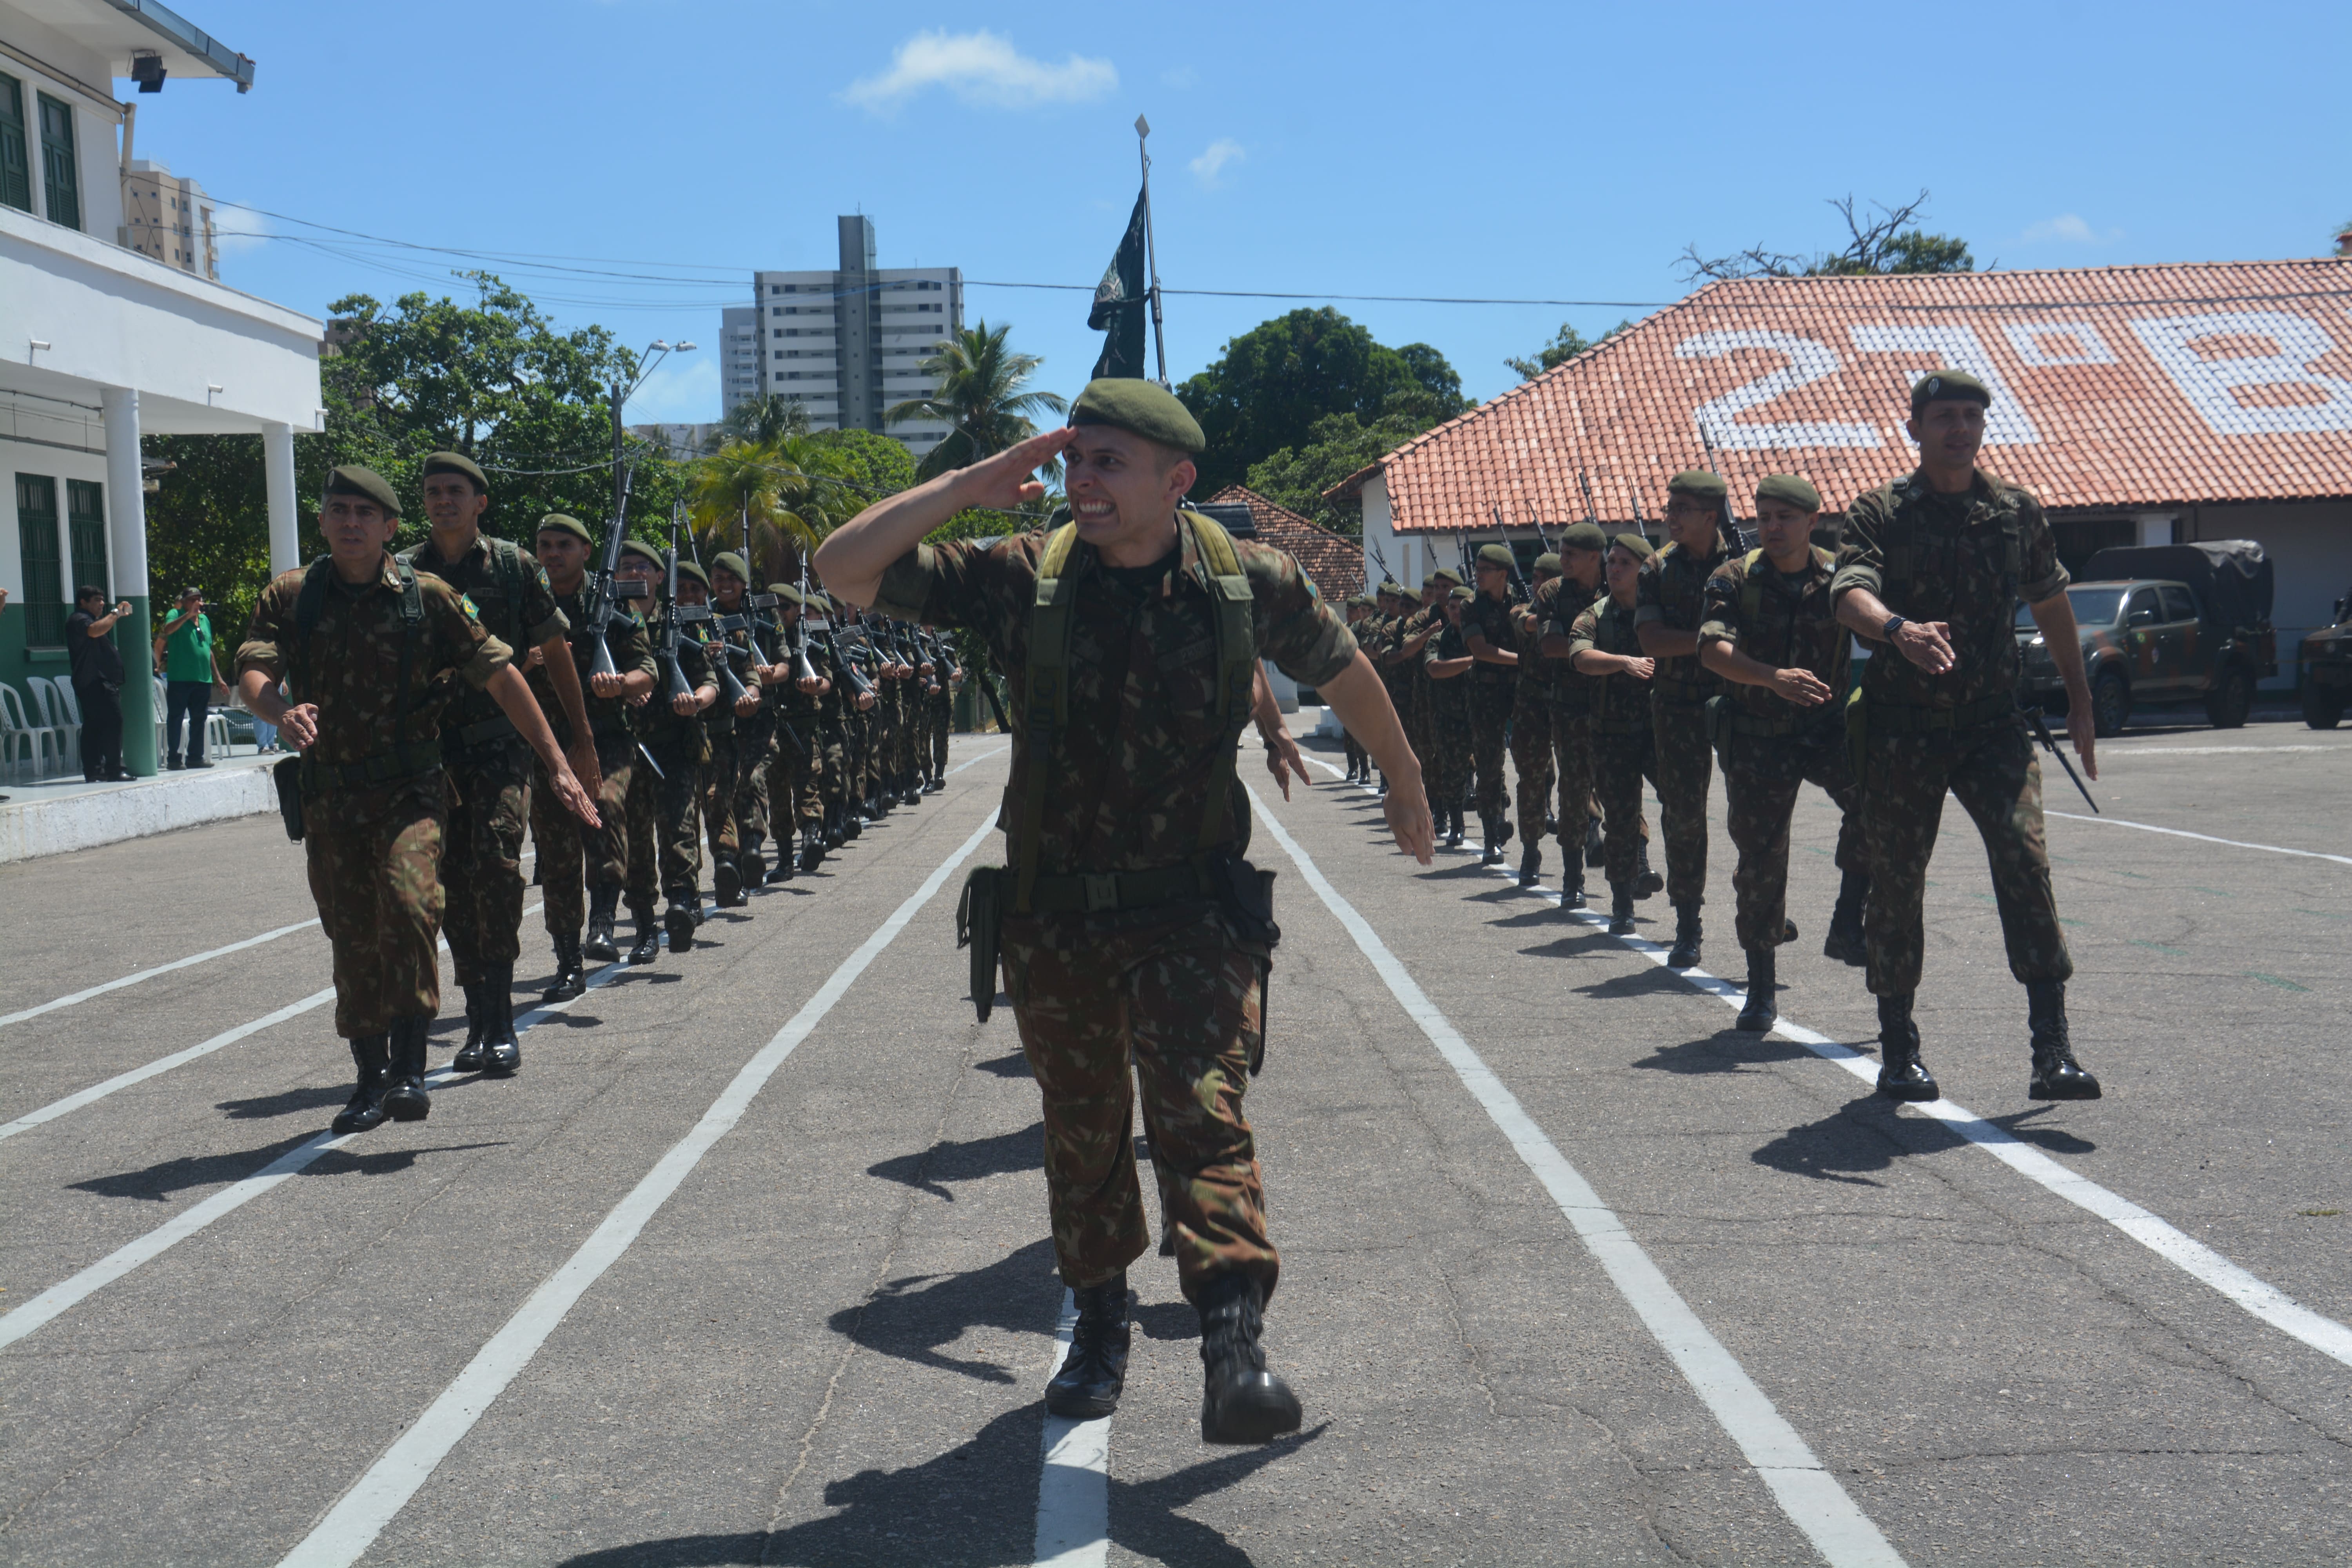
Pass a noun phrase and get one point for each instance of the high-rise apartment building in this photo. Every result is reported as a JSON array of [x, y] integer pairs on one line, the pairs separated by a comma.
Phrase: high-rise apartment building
[[170, 219], [849, 344]]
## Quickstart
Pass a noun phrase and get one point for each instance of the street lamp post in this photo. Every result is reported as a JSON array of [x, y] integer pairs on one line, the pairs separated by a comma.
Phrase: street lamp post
[[655, 351]]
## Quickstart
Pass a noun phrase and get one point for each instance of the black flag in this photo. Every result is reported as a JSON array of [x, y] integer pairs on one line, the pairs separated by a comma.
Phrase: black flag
[[1119, 300]]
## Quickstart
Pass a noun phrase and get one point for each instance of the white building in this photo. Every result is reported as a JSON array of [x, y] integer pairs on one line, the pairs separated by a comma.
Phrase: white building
[[98, 342], [849, 344]]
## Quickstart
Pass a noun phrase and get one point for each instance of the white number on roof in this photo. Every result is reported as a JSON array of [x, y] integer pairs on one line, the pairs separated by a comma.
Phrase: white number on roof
[[2211, 385], [2006, 424], [2043, 344], [1809, 361]]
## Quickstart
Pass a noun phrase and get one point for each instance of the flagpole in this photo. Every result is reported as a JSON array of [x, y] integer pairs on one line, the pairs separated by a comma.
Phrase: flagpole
[[1151, 255]]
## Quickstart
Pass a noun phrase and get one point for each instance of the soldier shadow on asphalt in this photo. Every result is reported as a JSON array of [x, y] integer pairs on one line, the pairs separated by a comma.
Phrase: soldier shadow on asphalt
[[1866, 1135], [929, 1170], [1014, 1066], [912, 1317], [261, 1108], [159, 1182], [965, 1508]]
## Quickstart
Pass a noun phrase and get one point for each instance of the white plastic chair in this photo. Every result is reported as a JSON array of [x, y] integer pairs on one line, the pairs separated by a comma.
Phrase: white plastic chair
[[29, 751], [59, 713]]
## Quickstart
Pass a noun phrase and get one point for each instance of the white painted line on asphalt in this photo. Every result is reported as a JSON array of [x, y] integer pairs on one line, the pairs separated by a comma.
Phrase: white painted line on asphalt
[[1074, 1488], [350, 1527], [2201, 838], [970, 761], [160, 1064], [2109, 749], [1810, 1497], [2266, 1301], [188, 963]]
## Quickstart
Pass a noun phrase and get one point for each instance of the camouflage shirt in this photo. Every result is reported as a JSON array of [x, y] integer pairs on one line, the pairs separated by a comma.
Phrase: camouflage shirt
[[351, 666], [1128, 781], [1570, 599], [657, 721], [631, 651], [1539, 676], [1972, 557], [1491, 619], [533, 620], [1607, 627], [1672, 590], [1794, 628]]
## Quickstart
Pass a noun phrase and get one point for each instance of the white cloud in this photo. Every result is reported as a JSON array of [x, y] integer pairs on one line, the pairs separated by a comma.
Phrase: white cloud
[[981, 68], [682, 390], [1210, 165], [240, 231], [2068, 228]]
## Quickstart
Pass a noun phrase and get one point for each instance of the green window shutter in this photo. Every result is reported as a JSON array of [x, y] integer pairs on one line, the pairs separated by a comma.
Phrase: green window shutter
[[63, 187], [85, 533], [36, 537], [15, 173]]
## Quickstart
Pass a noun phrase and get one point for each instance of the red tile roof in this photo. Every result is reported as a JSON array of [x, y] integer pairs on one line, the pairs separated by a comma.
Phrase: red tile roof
[[2115, 387], [1336, 564]]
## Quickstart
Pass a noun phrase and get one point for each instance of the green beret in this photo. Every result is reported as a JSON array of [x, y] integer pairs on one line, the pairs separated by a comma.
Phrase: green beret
[[643, 551], [733, 563], [350, 480], [1699, 483], [457, 463], [1495, 556], [1584, 536], [787, 593], [1464, 593], [560, 522], [1796, 492], [693, 569], [1637, 545], [1444, 575], [1947, 386], [1548, 564], [1145, 408], [1391, 585]]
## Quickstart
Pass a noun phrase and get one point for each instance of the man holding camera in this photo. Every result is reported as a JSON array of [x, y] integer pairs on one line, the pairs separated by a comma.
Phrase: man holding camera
[[97, 666], [183, 658]]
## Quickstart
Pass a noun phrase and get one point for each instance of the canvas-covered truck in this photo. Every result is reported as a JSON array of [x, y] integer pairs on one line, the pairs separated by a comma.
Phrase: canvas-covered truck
[[2163, 624], [2327, 670]]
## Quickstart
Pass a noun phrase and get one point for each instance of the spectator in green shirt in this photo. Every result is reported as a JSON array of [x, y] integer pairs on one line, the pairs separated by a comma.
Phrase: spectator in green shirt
[[184, 654]]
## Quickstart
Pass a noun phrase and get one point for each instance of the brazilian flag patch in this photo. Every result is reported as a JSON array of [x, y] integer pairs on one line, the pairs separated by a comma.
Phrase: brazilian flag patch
[[471, 609]]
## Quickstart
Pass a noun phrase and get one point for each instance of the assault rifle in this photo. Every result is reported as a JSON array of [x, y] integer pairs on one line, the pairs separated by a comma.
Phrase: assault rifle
[[731, 688], [1520, 593], [674, 616], [1535, 515], [2042, 734], [1733, 534], [606, 586]]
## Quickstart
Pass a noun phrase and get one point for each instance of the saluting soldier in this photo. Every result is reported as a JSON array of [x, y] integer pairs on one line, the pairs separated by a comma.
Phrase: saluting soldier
[[1605, 647], [1446, 662], [1772, 634], [489, 765], [572, 856], [1932, 566], [1672, 590], [1489, 690], [370, 653], [1531, 705], [1132, 672]]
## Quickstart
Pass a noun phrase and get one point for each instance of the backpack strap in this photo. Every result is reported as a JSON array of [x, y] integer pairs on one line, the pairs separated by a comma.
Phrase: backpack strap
[[1047, 703], [311, 610], [1235, 606], [1751, 590]]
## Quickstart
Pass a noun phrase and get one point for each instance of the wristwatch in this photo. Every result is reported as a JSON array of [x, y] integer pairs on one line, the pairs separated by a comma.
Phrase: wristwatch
[[1894, 624]]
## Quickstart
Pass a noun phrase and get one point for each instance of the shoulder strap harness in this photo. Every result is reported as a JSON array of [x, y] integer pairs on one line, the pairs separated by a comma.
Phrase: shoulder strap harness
[[310, 608]]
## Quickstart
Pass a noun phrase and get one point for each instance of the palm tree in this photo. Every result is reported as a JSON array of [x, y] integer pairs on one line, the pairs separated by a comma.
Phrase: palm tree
[[980, 396], [764, 420], [746, 480]]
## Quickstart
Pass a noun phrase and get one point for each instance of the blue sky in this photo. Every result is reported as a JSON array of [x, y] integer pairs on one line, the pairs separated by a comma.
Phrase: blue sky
[[1501, 151]]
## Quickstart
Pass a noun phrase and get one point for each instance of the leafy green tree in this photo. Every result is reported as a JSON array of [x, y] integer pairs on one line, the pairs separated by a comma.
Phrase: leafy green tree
[[1564, 345], [208, 527], [1273, 383], [764, 420], [1338, 444], [983, 395]]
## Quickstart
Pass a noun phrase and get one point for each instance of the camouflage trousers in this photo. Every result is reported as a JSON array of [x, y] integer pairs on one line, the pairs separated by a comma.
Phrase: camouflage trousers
[[795, 784], [755, 744], [481, 856], [1620, 763], [1993, 771], [643, 878], [716, 796], [1685, 772], [375, 862], [1447, 769], [942, 720], [1760, 788], [1176, 995], [1489, 702], [823, 736], [1531, 760], [668, 856], [573, 856]]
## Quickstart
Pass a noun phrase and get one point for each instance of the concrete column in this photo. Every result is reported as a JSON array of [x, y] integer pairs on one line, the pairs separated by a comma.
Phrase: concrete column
[[2155, 527], [126, 518], [277, 472]]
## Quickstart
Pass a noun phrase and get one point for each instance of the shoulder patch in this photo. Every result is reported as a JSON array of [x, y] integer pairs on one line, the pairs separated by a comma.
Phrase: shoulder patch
[[471, 609]]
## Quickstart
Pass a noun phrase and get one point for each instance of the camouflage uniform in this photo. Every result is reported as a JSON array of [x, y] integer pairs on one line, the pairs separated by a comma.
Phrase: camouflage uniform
[[1531, 709], [489, 764], [805, 728], [1492, 690], [721, 765], [1571, 728], [755, 746], [1776, 745], [1171, 985], [570, 853], [1671, 588], [1447, 766], [1965, 559], [673, 799], [375, 799], [1617, 717]]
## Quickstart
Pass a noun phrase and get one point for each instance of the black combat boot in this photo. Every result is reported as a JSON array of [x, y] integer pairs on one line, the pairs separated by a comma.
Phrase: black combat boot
[[728, 882], [1087, 1387], [472, 1056], [1620, 908], [1454, 832], [364, 1111], [812, 852], [679, 921], [833, 838], [1646, 881], [604, 898], [1900, 1076], [788, 860], [1686, 938], [500, 1045], [1531, 863], [1571, 882], [648, 943], [1845, 942], [570, 982], [404, 1098], [1495, 833], [1763, 1010], [1595, 851], [2056, 1074], [1243, 1402]]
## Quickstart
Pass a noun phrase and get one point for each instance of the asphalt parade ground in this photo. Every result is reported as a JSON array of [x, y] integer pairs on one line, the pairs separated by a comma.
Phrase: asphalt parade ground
[[748, 1264]]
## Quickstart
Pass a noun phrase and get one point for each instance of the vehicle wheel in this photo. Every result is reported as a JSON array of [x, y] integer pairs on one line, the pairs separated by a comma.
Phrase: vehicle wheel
[[2323, 706], [2232, 699], [2111, 705]]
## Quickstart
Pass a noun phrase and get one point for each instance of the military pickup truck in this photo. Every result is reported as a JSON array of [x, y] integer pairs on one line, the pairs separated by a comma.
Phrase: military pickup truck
[[2327, 670], [2163, 624]]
